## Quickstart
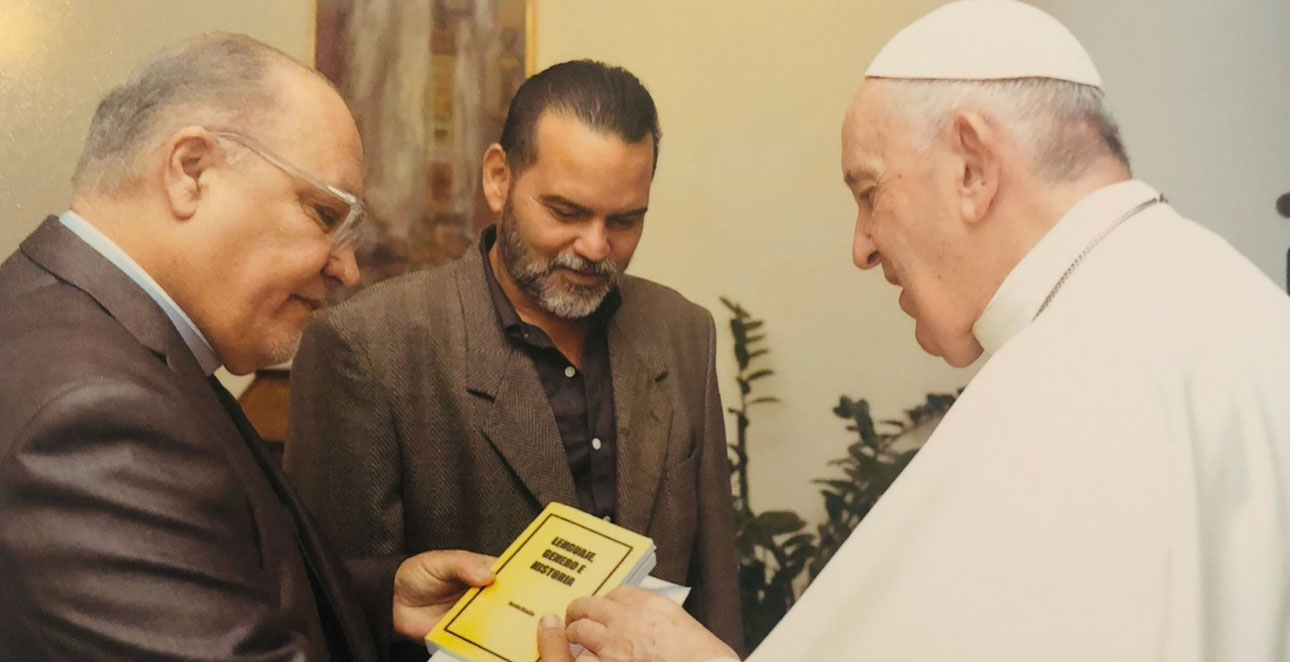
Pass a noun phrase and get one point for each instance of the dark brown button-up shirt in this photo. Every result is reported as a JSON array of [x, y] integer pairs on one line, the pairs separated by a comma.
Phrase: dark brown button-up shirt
[[582, 401]]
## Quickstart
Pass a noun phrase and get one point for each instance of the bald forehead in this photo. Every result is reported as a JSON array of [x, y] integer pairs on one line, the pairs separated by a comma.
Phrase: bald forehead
[[312, 120], [304, 95]]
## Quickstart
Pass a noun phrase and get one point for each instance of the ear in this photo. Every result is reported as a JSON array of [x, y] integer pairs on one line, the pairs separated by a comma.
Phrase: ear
[[190, 152], [496, 177], [976, 144]]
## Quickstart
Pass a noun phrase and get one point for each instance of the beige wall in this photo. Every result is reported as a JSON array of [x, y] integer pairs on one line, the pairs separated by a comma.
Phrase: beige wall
[[749, 203]]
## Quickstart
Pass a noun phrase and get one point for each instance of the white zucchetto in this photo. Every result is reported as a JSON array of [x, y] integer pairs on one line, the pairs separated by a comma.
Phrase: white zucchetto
[[985, 40]]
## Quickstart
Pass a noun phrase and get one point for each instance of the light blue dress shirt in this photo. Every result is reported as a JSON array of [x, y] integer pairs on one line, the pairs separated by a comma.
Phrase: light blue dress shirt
[[196, 342]]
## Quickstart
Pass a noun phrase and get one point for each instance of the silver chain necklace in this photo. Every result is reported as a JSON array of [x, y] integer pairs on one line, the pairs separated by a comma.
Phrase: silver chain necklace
[[1093, 244]]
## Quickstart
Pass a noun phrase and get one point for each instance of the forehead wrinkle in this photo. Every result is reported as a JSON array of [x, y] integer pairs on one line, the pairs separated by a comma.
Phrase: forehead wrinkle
[[863, 146]]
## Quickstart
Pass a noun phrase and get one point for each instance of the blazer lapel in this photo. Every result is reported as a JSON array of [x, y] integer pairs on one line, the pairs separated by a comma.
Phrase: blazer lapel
[[508, 404], [644, 419], [326, 572]]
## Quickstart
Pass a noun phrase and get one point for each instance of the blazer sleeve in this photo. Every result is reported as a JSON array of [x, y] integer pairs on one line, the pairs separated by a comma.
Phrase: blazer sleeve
[[343, 454], [373, 581], [714, 575], [127, 536]]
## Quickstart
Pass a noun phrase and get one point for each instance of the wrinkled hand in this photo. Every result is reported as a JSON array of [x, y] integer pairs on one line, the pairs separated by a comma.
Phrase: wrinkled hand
[[634, 625], [428, 584]]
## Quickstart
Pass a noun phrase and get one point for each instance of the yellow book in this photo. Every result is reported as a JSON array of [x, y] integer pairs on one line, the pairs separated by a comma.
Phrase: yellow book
[[563, 555]]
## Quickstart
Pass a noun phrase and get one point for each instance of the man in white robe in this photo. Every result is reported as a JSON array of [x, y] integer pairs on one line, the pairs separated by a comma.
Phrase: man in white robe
[[1114, 484]]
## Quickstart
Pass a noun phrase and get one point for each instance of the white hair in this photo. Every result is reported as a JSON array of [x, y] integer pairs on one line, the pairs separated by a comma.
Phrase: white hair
[[1064, 127], [218, 80]]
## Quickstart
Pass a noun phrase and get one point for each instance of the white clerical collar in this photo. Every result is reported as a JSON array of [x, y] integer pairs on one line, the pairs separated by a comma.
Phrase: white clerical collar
[[100, 242], [1019, 298]]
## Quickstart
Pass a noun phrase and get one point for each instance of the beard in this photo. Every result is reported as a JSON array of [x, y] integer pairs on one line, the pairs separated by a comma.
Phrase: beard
[[536, 276]]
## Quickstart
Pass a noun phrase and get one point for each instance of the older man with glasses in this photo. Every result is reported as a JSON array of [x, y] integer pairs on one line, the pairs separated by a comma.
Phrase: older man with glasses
[[212, 210]]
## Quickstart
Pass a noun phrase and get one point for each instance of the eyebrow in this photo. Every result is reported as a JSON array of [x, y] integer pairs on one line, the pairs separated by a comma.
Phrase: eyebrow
[[859, 174], [557, 199]]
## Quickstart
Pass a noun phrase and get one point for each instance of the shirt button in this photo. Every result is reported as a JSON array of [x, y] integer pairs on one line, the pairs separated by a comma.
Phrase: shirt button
[[595, 443], [569, 371]]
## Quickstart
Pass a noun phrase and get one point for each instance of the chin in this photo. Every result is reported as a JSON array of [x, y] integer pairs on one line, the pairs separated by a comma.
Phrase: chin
[[962, 354], [961, 361], [958, 353], [283, 350]]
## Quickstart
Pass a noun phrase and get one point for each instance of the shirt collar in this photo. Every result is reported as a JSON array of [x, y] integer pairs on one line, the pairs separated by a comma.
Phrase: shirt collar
[[100, 242], [1017, 301], [506, 314]]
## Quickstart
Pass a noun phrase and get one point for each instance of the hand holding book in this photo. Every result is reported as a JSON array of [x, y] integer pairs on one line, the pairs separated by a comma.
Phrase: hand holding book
[[628, 625], [563, 555], [428, 584]]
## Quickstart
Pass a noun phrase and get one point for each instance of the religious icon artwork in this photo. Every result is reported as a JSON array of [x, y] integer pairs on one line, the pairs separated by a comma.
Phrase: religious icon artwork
[[429, 82]]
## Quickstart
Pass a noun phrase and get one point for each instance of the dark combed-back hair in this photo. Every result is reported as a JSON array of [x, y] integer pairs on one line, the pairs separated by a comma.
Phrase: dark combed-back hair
[[606, 99]]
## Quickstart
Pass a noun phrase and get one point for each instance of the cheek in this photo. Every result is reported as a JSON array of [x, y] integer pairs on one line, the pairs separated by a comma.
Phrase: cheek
[[282, 274], [540, 233], [624, 247]]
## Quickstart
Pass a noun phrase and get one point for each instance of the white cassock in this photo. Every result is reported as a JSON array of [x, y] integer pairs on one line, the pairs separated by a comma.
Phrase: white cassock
[[1113, 484]]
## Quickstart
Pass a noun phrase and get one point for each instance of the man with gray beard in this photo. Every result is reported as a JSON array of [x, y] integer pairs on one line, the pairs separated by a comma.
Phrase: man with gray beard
[[445, 409]]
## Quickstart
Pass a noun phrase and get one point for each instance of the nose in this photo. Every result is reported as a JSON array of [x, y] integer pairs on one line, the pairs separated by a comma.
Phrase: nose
[[593, 241], [863, 251], [343, 266]]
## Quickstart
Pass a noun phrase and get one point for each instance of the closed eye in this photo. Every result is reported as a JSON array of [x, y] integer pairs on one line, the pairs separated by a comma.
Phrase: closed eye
[[866, 196], [567, 213], [327, 216], [626, 222]]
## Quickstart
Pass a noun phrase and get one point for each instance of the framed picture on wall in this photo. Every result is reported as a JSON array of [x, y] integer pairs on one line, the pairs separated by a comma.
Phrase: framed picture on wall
[[429, 82]]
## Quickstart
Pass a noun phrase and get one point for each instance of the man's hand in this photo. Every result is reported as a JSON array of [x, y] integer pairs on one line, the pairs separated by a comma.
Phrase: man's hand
[[428, 584], [553, 646], [633, 625]]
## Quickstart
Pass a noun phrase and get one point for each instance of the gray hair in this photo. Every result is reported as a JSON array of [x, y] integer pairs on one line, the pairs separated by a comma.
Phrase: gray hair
[[1064, 127], [219, 80]]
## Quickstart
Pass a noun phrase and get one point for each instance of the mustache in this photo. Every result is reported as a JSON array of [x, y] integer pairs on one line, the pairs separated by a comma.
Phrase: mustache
[[574, 262]]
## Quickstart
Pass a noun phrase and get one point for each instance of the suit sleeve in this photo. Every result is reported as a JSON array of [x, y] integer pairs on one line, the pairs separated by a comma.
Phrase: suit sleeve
[[373, 581], [714, 566], [342, 456], [127, 536]]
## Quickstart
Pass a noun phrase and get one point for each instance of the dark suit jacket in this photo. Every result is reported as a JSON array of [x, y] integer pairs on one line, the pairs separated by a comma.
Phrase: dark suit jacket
[[416, 425], [141, 520]]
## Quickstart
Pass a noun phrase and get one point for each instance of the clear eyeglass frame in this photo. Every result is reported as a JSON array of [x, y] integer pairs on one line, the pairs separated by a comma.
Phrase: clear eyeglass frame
[[343, 232]]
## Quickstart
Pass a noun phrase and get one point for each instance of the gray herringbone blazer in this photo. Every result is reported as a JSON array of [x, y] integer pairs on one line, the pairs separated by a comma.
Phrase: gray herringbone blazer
[[416, 425]]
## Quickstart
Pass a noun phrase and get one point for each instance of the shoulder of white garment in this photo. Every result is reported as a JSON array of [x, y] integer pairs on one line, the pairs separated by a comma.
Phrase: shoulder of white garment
[[1079, 425], [1019, 297]]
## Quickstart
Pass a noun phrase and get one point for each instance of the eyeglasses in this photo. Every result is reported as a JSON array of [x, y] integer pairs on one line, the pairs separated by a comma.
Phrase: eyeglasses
[[343, 230]]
